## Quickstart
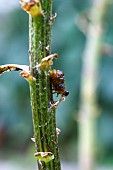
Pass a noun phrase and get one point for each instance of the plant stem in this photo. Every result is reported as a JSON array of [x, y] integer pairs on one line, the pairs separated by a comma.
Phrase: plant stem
[[88, 109], [44, 117]]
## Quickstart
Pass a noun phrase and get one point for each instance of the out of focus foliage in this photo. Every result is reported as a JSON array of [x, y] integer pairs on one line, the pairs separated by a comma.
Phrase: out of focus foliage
[[69, 42], [15, 112]]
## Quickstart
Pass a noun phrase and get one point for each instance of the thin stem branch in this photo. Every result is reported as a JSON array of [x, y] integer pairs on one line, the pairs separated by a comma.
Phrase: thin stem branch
[[88, 109]]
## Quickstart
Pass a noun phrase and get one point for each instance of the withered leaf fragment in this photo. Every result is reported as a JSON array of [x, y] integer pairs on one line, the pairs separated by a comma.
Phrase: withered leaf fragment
[[47, 62], [44, 156], [33, 7], [16, 67]]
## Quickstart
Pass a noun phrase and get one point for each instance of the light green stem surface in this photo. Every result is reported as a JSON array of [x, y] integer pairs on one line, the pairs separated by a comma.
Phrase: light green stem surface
[[88, 107]]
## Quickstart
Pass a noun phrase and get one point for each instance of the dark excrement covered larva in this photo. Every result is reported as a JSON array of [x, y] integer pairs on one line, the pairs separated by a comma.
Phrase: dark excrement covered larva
[[58, 82]]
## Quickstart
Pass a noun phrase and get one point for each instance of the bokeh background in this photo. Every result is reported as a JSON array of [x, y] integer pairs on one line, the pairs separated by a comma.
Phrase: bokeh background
[[68, 40]]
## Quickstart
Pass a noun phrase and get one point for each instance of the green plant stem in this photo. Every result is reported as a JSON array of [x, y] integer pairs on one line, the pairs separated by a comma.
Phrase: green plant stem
[[44, 118], [88, 108]]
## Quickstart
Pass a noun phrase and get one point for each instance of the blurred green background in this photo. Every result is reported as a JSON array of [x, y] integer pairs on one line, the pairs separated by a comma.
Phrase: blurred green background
[[69, 42]]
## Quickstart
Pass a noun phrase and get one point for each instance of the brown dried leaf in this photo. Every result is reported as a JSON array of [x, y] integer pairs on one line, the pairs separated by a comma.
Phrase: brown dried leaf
[[47, 61], [16, 67]]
